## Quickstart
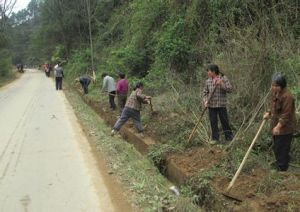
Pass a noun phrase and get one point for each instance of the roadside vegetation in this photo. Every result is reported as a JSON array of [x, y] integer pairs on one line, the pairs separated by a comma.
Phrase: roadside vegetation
[[167, 45], [147, 188]]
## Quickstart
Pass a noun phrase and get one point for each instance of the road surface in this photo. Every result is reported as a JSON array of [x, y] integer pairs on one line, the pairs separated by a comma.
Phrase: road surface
[[45, 160]]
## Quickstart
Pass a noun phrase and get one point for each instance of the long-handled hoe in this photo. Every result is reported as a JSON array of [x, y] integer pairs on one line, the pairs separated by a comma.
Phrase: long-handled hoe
[[201, 115], [153, 113], [226, 193]]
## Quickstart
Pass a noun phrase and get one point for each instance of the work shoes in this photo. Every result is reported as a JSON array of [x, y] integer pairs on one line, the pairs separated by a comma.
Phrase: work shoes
[[213, 142], [142, 135], [113, 132]]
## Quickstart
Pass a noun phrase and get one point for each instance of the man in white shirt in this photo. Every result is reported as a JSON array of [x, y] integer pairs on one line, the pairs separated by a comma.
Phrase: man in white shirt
[[109, 85]]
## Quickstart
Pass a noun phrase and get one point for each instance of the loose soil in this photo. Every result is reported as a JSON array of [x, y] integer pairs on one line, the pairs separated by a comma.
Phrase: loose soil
[[183, 165]]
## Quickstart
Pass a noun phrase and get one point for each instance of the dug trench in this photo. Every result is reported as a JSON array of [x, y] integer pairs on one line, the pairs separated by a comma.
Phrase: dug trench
[[181, 167]]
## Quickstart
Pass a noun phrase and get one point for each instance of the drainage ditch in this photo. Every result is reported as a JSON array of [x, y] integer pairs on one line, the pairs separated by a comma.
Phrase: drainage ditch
[[171, 171]]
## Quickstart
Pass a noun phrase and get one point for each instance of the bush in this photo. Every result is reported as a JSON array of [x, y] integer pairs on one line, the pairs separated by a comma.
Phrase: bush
[[5, 63]]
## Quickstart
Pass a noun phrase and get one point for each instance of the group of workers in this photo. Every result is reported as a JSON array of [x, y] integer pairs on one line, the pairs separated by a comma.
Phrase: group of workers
[[129, 107], [282, 112]]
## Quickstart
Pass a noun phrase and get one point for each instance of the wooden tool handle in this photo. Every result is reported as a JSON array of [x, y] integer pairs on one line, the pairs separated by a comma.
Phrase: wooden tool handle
[[199, 120], [245, 157]]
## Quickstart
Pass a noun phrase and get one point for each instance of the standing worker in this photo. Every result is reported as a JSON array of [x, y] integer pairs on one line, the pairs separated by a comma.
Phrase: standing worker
[[216, 87], [283, 121], [132, 110], [109, 85], [122, 90], [59, 75]]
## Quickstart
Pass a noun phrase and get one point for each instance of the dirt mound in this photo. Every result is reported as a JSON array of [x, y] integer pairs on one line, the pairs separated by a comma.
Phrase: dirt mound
[[195, 160]]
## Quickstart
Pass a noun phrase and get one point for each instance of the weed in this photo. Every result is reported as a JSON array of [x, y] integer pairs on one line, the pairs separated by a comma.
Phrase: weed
[[271, 183], [200, 188]]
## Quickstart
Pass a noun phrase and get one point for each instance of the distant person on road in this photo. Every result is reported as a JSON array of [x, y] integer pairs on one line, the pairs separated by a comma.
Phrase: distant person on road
[[85, 81], [50, 69], [216, 87], [59, 75], [283, 121], [18, 67], [122, 91], [47, 69], [132, 110], [109, 86]]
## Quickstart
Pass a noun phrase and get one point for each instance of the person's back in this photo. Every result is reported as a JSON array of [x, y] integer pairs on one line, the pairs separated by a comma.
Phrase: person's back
[[122, 90], [122, 87], [109, 84], [85, 79], [59, 72]]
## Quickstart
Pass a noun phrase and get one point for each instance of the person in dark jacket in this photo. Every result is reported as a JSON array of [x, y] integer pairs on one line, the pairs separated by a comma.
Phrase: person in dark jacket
[[84, 81], [283, 121], [132, 110]]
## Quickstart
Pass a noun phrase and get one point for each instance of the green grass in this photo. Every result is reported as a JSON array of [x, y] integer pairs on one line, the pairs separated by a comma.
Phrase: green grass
[[4, 80], [149, 189]]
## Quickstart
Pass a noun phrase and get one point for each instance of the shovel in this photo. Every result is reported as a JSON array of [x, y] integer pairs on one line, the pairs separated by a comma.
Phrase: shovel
[[153, 113], [242, 164]]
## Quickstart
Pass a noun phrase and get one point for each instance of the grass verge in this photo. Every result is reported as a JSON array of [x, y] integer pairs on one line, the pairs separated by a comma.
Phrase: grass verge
[[8, 79], [147, 189]]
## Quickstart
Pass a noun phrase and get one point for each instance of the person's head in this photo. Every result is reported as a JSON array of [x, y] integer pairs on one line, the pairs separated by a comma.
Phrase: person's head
[[122, 76], [278, 82], [139, 85], [212, 70], [104, 75]]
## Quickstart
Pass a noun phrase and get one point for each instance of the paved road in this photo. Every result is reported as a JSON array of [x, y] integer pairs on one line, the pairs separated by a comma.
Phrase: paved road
[[45, 160]]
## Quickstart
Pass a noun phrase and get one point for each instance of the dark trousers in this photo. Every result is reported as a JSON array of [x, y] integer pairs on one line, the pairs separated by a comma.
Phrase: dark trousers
[[58, 83], [85, 86], [111, 97], [126, 114], [122, 101], [281, 148], [213, 118]]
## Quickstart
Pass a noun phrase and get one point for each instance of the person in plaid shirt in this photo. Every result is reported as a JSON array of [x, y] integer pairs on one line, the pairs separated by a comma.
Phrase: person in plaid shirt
[[132, 110], [215, 101]]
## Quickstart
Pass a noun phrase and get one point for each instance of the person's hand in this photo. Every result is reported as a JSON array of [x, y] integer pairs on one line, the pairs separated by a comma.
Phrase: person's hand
[[206, 103], [148, 97], [267, 115], [219, 82], [276, 130]]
